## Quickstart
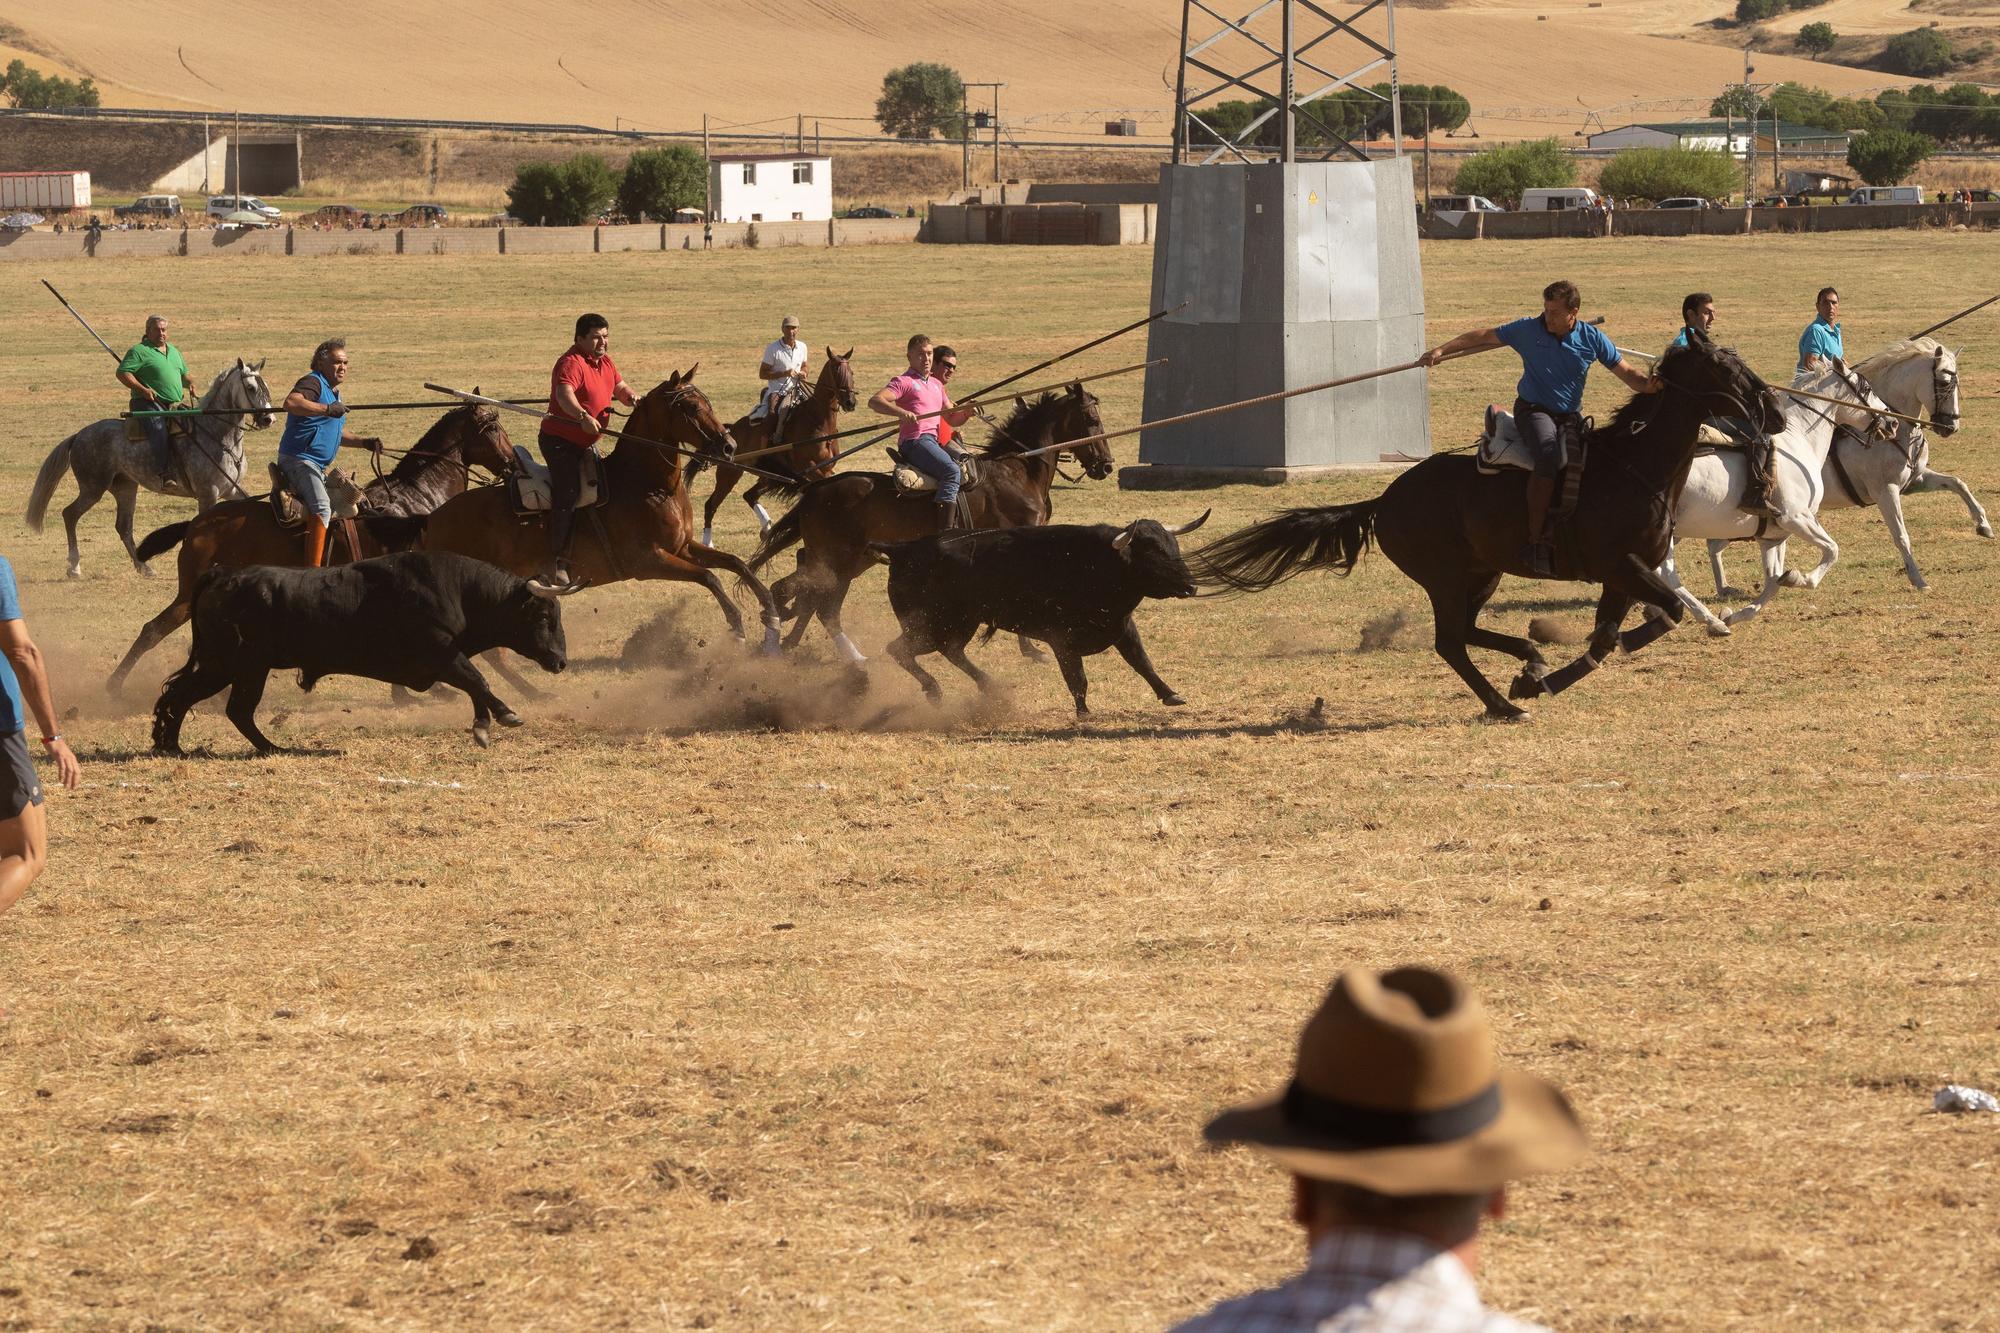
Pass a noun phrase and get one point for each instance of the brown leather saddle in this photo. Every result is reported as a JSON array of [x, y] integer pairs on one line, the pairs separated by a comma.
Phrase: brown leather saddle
[[530, 491], [910, 482]]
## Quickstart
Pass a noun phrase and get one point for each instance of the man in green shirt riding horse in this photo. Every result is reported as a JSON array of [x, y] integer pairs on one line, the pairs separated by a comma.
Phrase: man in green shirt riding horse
[[158, 378]]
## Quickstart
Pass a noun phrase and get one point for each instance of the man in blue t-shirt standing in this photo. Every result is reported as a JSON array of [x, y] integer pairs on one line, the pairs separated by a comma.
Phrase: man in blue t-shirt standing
[[24, 830], [1557, 350], [1822, 337]]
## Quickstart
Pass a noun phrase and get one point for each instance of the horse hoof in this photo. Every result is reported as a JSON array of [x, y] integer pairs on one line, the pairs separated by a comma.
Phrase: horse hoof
[[1509, 715], [146, 572], [1525, 686], [508, 719], [1793, 579], [1173, 700], [481, 737], [771, 646], [1717, 629], [1728, 590], [74, 572], [1984, 529]]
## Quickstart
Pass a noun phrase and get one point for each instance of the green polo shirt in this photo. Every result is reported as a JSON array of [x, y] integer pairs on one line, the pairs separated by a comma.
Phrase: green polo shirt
[[159, 369]]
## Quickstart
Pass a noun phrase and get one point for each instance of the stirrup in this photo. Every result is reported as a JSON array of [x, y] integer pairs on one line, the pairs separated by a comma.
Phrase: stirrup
[[555, 578]]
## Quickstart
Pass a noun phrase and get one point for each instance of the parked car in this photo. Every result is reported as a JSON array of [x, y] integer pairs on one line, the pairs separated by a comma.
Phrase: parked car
[[336, 215], [1887, 194], [222, 205], [1683, 201], [423, 215], [151, 206], [1545, 200], [1464, 203], [1783, 201], [869, 212]]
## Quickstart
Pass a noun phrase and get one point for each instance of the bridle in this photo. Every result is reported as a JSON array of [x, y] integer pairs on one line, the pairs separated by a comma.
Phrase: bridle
[[677, 399], [1944, 390]]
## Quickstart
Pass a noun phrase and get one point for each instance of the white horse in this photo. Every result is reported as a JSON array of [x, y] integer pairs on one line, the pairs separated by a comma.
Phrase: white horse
[[207, 463], [1711, 501], [1914, 376]]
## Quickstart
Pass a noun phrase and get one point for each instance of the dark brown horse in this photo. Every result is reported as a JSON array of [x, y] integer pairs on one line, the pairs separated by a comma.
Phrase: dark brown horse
[[245, 532], [837, 518], [1456, 532], [809, 458], [644, 529]]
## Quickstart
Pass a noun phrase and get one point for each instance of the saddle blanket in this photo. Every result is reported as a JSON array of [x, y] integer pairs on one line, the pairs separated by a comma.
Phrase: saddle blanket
[[530, 491], [285, 507], [1501, 446], [909, 481]]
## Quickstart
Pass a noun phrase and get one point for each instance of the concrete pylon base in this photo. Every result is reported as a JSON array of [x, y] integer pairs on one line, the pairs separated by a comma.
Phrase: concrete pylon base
[[1293, 273]]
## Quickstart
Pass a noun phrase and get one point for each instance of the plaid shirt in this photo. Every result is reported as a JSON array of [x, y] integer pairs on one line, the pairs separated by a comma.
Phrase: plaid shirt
[[1365, 1282]]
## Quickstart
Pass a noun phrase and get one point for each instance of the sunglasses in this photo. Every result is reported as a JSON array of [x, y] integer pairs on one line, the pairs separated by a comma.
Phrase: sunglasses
[[947, 365]]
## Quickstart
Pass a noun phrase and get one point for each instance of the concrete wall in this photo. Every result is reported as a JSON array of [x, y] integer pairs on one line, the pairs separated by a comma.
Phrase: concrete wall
[[876, 231], [1124, 192], [273, 241], [1041, 224], [615, 240], [451, 241], [343, 242], [1710, 221], [549, 240]]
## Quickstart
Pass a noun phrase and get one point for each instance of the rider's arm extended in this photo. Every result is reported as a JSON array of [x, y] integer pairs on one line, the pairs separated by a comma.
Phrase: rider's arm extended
[[1477, 340], [955, 414], [885, 403], [1637, 381]]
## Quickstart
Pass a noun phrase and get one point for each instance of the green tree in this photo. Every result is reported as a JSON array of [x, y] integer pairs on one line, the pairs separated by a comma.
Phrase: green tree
[[1816, 39], [32, 90], [1756, 11], [1736, 103], [658, 181], [1663, 173], [1885, 157], [1509, 170], [920, 100], [562, 194], [1921, 52], [1848, 113], [1798, 103], [1948, 115]]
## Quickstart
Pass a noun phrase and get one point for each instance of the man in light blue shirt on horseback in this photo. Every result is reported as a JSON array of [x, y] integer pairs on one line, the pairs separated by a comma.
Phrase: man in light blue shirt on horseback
[[314, 419], [1822, 337]]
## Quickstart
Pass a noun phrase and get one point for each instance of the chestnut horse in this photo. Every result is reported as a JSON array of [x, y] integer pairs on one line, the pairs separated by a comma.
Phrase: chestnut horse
[[838, 517], [1456, 532], [643, 528], [806, 430], [245, 532]]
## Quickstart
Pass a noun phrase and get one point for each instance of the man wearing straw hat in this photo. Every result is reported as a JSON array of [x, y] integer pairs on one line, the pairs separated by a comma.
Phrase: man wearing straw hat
[[1400, 1132]]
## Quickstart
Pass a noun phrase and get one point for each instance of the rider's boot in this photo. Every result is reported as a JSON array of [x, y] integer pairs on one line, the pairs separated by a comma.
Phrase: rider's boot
[[947, 510], [1540, 551], [555, 575], [1757, 491], [315, 541]]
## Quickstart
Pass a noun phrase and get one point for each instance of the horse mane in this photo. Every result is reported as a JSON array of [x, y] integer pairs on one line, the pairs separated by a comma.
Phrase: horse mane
[[434, 444], [215, 385], [1639, 405], [1018, 433], [1898, 352]]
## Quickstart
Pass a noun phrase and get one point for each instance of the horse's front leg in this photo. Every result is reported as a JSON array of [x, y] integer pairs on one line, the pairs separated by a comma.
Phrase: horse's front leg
[[1944, 481], [1670, 575], [1890, 502], [1611, 608], [1772, 555], [707, 559], [1716, 546]]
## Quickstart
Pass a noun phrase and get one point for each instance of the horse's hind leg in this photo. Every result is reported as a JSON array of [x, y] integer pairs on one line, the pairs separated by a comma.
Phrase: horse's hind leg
[[125, 491], [725, 482], [88, 493], [708, 559], [1716, 546], [827, 608], [150, 634], [1944, 481], [754, 497], [1028, 649], [1671, 576], [1611, 609], [1452, 612], [1477, 593], [1773, 555]]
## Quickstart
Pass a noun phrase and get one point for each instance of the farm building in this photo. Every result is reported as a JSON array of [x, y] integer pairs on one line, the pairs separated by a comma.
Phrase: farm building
[[770, 187], [1716, 135]]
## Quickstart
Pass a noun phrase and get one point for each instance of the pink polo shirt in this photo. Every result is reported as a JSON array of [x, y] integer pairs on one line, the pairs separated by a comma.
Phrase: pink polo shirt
[[919, 396]]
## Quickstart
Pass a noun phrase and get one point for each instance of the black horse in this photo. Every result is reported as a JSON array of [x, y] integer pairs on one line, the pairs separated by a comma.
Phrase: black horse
[[1456, 532]]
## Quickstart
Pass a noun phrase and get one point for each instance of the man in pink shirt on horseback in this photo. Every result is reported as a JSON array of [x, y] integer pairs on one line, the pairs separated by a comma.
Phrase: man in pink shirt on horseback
[[918, 399]]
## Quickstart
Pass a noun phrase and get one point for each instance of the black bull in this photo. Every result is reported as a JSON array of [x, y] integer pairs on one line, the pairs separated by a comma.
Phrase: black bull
[[413, 619], [1073, 587]]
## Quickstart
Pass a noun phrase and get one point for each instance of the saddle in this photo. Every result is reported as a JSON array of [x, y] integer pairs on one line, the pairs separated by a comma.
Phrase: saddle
[[291, 514], [909, 481], [178, 428], [530, 491], [1501, 448]]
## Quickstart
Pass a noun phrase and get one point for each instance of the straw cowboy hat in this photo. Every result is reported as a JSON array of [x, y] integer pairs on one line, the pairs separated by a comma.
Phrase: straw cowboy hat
[[1397, 1091]]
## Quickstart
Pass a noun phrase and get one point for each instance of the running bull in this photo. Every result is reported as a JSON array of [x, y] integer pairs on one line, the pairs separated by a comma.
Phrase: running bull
[[412, 619], [1074, 587]]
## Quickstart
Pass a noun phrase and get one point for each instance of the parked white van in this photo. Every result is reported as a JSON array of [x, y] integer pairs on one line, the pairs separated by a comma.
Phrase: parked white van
[[1887, 194], [1465, 203], [1542, 201]]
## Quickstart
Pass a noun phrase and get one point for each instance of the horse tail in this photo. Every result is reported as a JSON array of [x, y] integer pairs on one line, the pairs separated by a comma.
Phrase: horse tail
[[162, 540], [1292, 542], [53, 468], [786, 532]]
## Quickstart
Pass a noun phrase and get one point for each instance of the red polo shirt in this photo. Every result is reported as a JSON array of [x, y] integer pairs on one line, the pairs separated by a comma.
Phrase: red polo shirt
[[593, 381]]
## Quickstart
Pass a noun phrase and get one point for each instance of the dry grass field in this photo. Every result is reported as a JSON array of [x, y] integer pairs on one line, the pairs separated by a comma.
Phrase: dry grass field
[[696, 1003], [1530, 67]]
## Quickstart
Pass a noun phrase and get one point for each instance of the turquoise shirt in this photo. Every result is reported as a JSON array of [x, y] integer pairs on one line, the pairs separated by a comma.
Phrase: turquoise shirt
[[1553, 369], [1820, 339], [13, 715]]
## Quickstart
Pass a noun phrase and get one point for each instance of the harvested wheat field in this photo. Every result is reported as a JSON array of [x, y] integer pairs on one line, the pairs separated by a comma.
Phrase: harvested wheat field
[[720, 997], [1529, 69]]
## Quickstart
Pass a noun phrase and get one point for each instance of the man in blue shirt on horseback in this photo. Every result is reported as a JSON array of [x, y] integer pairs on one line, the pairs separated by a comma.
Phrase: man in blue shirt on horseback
[[1557, 349], [1822, 337], [314, 419]]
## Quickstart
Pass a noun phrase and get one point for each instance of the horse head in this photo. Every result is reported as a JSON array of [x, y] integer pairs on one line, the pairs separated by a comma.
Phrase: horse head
[[1081, 420], [676, 412], [838, 373], [1916, 375], [1944, 390], [1722, 381], [242, 386]]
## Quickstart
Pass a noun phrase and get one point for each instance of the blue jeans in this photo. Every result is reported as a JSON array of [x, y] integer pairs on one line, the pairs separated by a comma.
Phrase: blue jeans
[[163, 452], [927, 456], [302, 477]]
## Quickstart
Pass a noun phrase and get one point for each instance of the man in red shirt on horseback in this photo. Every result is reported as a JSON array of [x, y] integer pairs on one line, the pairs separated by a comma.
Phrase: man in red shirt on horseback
[[582, 388]]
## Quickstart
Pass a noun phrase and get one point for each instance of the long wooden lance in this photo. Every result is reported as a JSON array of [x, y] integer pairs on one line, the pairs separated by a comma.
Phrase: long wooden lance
[[431, 406], [1955, 318], [1039, 366], [81, 320], [614, 434], [970, 402]]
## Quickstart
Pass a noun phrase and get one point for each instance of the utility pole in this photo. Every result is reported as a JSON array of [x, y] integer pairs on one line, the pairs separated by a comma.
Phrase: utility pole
[[707, 176], [236, 146], [801, 133], [964, 137], [207, 150], [997, 178], [966, 146]]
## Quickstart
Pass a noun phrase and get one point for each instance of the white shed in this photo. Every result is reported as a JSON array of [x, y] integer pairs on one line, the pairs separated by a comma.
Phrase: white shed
[[770, 187]]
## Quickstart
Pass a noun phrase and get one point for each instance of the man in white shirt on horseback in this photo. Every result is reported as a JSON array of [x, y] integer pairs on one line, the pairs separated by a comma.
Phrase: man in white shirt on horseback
[[783, 370]]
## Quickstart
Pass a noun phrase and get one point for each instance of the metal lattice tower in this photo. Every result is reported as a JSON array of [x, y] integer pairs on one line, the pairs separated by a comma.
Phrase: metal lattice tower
[[1214, 64]]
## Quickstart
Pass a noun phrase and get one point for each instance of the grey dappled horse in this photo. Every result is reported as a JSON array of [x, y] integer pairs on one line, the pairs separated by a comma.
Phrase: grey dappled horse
[[206, 465]]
